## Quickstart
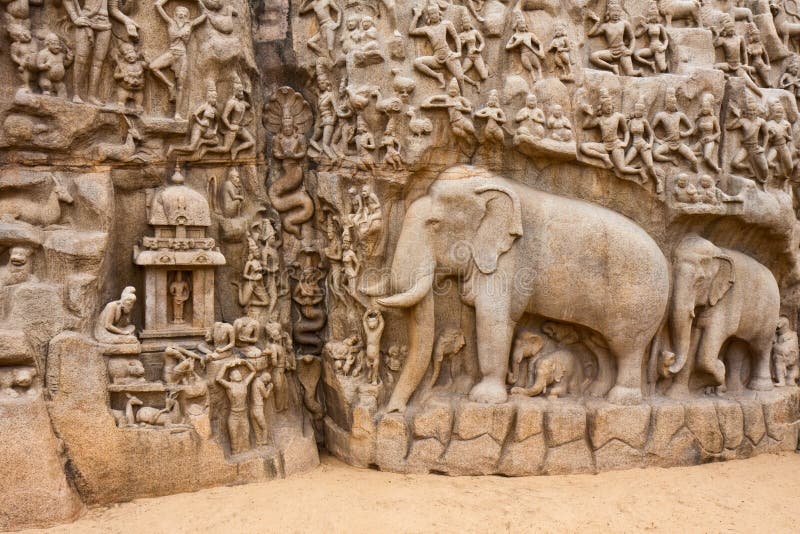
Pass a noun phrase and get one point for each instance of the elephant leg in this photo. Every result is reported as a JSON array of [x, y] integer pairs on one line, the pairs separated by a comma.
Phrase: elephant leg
[[628, 387], [604, 380], [735, 354], [760, 377], [495, 332], [708, 354]]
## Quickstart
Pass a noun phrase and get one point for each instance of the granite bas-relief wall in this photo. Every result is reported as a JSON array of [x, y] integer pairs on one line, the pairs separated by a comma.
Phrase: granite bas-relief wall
[[455, 236]]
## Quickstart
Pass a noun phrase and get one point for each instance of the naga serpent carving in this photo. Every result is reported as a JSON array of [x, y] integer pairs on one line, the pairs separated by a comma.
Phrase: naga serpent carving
[[288, 117], [309, 298]]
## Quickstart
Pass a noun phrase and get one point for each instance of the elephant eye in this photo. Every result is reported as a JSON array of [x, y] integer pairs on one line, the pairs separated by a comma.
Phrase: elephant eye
[[433, 221]]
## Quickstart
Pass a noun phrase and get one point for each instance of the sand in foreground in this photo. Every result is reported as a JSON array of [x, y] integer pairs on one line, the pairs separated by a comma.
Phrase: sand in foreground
[[761, 494]]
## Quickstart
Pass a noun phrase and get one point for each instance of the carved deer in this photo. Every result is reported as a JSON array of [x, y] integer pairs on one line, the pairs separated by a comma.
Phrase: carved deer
[[171, 414], [127, 417], [119, 152], [18, 205]]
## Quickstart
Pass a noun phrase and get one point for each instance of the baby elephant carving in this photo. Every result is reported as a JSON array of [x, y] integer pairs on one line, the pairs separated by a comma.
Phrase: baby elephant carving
[[560, 370], [527, 345]]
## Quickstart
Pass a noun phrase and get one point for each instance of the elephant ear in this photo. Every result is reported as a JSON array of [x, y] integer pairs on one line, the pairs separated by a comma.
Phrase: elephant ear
[[723, 280], [500, 225], [533, 344]]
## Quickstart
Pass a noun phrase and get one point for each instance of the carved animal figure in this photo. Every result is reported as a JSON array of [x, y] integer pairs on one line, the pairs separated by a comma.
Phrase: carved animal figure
[[712, 299], [785, 354], [559, 370], [785, 20], [289, 198], [169, 415], [519, 250], [127, 417], [118, 152], [18, 205], [125, 370], [527, 345], [309, 369], [418, 126], [680, 9]]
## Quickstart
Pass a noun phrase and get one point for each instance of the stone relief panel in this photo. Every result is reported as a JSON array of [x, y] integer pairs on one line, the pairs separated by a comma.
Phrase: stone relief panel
[[452, 236]]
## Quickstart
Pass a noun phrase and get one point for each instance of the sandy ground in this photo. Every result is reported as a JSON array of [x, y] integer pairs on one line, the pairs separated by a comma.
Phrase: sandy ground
[[757, 495]]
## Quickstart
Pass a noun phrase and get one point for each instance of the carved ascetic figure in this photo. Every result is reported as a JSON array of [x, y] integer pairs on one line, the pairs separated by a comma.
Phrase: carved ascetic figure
[[671, 143], [237, 387], [642, 137], [368, 48], [558, 125], [529, 47], [620, 38], [785, 354], [437, 30], [19, 268], [712, 298], [232, 197], [373, 324], [561, 48], [260, 390], [179, 30], [495, 119], [393, 158], [179, 291], [781, 140], [52, 62], [757, 55], [472, 43], [92, 37], [734, 52], [203, 130], [329, 18], [367, 219], [351, 265], [365, 145], [790, 79], [684, 191], [707, 125], [112, 325], [655, 54], [611, 149], [219, 340], [561, 371], [23, 51], [754, 136], [514, 221], [530, 119]]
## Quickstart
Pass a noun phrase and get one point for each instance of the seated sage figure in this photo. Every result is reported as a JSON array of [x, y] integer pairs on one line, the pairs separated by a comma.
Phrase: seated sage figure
[[112, 326]]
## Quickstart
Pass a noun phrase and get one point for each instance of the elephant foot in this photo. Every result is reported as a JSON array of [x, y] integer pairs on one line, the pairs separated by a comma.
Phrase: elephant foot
[[489, 391], [678, 391], [396, 407], [625, 395], [598, 389], [761, 384]]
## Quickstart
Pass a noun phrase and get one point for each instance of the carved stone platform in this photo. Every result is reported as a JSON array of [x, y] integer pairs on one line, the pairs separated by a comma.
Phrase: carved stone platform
[[533, 436]]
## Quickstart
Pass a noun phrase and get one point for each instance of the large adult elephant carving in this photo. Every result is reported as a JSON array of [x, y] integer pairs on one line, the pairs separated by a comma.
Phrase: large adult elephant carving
[[719, 294], [518, 250]]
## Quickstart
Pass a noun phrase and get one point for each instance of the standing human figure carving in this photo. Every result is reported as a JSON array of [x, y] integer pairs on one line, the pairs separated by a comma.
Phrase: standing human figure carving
[[237, 388], [280, 362], [437, 30], [734, 51], [707, 125], [754, 136], [528, 46], [642, 137], [781, 140], [620, 39], [260, 391], [179, 291], [671, 120], [561, 48], [92, 23], [473, 42], [179, 30]]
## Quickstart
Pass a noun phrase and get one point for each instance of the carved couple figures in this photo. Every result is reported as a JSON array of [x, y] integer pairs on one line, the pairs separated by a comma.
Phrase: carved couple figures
[[47, 67]]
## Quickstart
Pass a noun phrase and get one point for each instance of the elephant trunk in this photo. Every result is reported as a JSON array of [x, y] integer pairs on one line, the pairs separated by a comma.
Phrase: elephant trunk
[[421, 332], [413, 270], [539, 386], [680, 322]]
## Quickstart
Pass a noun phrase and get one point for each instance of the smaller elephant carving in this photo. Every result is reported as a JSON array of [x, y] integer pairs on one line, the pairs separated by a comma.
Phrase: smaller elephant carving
[[527, 345], [561, 371]]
